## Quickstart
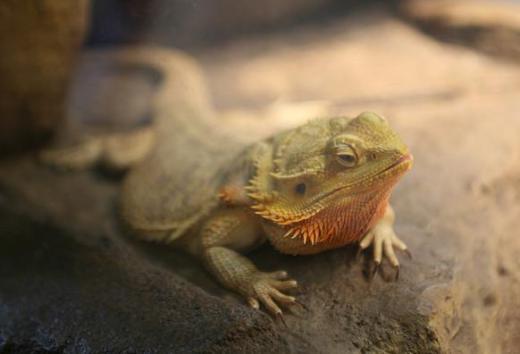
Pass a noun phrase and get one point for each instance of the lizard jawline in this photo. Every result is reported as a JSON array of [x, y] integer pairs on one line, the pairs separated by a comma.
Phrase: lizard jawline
[[343, 222], [285, 216]]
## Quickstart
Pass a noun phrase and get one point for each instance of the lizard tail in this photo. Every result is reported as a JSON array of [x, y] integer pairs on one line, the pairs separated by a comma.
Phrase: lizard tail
[[179, 100], [180, 79]]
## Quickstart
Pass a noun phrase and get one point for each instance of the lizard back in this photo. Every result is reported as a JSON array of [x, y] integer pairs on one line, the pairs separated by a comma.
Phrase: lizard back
[[177, 183]]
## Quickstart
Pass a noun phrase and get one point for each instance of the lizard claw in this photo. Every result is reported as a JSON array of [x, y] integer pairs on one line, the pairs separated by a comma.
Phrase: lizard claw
[[374, 270], [383, 239], [396, 277], [358, 253], [302, 305], [279, 317]]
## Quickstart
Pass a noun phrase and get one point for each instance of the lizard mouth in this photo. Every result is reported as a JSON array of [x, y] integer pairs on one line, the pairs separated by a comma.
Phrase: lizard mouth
[[405, 162], [397, 168], [333, 219], [377, 182]]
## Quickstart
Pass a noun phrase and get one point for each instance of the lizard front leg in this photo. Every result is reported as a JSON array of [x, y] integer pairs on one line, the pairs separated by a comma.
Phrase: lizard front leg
[[384, 239], [223, 236]]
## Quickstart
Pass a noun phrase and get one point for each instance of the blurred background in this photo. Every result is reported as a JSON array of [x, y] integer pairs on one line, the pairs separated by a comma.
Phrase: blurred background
[[274, 55]]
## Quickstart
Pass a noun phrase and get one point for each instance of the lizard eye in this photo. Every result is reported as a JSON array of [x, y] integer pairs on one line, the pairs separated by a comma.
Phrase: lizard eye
[[346, 157]]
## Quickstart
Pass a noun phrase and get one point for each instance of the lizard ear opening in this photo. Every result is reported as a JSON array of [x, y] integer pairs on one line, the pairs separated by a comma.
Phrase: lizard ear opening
[[300, 188]]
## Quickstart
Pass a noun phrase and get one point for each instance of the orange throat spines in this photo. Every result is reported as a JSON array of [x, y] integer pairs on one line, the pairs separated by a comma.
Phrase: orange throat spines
[[342, 223]]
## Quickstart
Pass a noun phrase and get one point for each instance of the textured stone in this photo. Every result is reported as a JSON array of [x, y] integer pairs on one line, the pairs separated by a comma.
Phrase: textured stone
[[72, 283], [490, 26]]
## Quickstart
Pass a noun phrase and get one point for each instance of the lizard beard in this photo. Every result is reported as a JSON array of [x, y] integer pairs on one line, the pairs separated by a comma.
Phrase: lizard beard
[[344, 222]]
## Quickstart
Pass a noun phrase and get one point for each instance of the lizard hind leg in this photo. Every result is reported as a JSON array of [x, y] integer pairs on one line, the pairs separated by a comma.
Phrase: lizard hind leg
[[124, 150], [223, 237], [115, 152], [79, 156], [239, 274]]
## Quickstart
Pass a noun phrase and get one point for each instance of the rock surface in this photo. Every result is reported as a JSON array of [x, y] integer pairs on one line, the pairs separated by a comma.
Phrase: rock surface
[[72, 282], [490, 26]]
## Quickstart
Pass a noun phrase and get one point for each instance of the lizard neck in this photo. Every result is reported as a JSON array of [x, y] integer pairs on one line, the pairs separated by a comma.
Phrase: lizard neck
[[342, 223]]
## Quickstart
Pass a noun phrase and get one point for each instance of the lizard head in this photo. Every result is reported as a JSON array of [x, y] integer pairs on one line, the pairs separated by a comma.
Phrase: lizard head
[[326, 164]]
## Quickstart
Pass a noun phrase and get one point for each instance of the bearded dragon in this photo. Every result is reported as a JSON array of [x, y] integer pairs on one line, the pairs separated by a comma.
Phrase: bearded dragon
[[317, 187]]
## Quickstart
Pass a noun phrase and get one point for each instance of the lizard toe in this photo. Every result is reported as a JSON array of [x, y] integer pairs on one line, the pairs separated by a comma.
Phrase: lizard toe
[[282, 298], [384, 242], [270, 304], [253, 303], [284, 284], [278, 275]]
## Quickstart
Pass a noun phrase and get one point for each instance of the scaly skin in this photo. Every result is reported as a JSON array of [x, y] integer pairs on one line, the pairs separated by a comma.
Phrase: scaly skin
[[321, 186], [344, 200]]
